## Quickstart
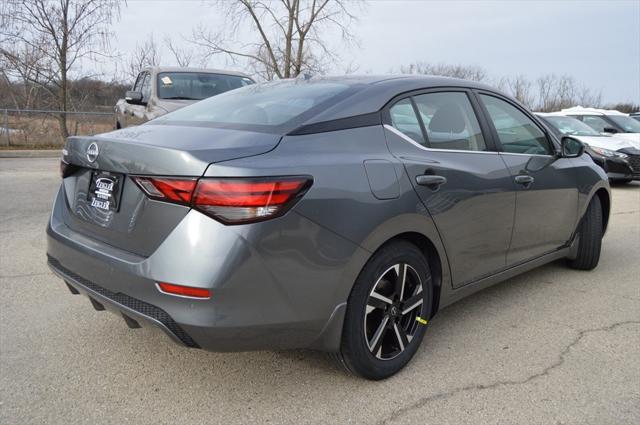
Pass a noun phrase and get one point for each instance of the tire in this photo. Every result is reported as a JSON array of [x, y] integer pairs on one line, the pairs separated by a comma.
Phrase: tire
[[589, 238], [380, 337]]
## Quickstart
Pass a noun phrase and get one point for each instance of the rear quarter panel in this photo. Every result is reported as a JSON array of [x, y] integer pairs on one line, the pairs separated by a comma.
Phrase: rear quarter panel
[[341, 198]]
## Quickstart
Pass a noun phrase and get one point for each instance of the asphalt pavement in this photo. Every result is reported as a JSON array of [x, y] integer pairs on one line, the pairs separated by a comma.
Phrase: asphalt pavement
[[552, 346]]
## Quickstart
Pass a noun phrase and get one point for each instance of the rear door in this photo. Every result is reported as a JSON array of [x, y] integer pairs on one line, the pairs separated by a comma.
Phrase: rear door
[[545, 185], [461, 180]]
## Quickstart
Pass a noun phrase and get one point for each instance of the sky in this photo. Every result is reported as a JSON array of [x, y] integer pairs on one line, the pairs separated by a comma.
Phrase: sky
[[595, 41]]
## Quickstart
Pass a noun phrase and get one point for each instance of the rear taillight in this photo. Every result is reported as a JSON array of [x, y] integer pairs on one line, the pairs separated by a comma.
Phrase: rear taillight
[[246, 200], [167, 189], [67, 169], [230, 200]]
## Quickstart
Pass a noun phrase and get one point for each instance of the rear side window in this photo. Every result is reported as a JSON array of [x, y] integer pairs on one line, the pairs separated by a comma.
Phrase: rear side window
[[261, 106], [450, 121], [517, 132], [404, 118]]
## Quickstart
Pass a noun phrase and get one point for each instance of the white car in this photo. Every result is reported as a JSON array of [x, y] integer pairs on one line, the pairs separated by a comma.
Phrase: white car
[[607, 121], [618, 157]]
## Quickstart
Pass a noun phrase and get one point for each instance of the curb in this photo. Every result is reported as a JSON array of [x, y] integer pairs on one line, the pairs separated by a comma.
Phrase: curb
[[31, 153]]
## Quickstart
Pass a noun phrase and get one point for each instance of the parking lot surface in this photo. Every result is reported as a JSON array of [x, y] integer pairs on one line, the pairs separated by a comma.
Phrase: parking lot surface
[[552, 346]]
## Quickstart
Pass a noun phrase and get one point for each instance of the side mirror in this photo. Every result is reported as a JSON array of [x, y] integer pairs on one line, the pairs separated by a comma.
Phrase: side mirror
[[610, 130], [571, 148], [133, 98]]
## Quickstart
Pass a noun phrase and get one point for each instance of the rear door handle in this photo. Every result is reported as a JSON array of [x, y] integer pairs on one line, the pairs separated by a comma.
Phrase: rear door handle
[[431, 181], [524, 180]]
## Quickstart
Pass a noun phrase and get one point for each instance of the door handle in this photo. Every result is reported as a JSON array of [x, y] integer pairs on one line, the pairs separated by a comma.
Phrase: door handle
[[431, 181], [524, 180]]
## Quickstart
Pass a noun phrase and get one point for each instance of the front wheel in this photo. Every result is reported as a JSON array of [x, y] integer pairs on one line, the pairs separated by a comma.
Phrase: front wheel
[[387, 312], [589, 238]]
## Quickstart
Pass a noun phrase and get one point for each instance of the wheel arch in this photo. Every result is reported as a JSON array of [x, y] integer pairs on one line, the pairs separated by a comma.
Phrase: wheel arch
[[605, 203], [433, 258]]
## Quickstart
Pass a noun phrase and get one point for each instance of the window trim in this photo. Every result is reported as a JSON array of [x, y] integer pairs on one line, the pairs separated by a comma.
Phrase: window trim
[[475, 106], [553, 148]]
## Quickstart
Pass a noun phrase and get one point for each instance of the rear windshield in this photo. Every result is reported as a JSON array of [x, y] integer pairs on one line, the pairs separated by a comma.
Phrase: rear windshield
[[261, 107], [197, 85]]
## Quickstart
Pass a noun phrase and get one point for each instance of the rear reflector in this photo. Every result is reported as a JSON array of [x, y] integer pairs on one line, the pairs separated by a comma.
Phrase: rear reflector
[[184, 291], [229, 200]]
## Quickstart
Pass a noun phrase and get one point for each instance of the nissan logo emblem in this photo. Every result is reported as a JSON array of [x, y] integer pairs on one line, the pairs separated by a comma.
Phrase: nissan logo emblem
[[92, 152]]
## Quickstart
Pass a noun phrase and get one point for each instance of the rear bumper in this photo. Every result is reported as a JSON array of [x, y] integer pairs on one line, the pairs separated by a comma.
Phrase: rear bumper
[[130, 308], [275, 285]]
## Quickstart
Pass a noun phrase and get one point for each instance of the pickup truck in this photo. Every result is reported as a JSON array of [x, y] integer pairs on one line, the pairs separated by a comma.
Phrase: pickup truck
[[160, 90]]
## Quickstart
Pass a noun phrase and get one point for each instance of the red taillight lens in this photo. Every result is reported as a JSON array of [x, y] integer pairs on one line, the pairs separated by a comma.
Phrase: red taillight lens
[[184, 291], [167, 189], [247, 200], [229, 200]]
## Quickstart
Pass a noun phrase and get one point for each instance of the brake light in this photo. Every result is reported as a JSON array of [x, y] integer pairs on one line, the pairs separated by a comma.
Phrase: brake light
[[247, 200], [229, 200], [167, 189], [184, 291]]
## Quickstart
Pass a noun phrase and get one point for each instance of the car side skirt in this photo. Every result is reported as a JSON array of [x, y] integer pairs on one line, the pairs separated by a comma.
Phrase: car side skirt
[[450, 296]]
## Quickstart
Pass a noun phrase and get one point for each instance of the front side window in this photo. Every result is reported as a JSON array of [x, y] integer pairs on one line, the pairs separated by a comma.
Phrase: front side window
[[596, 122], [450, 121], [197, 85], [516, 132], [138, 84], [146, 87], [404, 118]]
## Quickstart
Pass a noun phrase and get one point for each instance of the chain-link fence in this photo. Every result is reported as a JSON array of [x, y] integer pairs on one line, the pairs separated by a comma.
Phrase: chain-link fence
[[35, 128]]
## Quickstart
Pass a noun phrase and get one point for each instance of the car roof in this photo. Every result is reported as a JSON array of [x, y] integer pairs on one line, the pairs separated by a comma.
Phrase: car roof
[[373, 92], [159, 69], [580, 110]]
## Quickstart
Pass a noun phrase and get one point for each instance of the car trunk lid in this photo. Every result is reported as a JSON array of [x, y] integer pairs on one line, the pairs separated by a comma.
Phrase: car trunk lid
[[104, 165]]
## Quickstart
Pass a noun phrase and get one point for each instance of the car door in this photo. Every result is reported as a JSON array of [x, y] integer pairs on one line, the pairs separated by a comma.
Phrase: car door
[[461, 180], [545, 184]]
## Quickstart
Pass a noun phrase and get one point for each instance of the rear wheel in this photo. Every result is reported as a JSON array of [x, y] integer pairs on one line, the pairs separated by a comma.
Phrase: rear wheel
[[589, 238], [387, 311]]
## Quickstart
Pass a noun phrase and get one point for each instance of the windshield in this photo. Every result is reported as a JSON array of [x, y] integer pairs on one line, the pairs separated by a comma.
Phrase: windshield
[[629, 125], [265, 105], [197, 85], [572, 126]]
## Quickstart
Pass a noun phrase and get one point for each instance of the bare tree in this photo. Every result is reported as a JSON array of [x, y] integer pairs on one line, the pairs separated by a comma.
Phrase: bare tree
[[520, 88], [53, 36], [556, 92], [182, 56], [467, 72], [144, 55], [288, 35]]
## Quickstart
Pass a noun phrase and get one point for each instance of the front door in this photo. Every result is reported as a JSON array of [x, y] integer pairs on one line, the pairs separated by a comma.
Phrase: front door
[[544, 184], [458, 177]]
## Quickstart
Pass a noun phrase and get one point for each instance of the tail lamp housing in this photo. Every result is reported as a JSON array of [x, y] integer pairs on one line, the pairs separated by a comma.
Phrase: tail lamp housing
[[230, 200]]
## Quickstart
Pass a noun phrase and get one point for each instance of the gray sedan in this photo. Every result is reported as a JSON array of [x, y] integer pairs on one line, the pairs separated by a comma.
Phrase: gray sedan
[[337, 214]]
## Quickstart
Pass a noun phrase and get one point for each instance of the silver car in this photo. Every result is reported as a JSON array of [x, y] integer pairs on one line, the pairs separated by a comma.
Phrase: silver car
[[337, 214], [159, 90]]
